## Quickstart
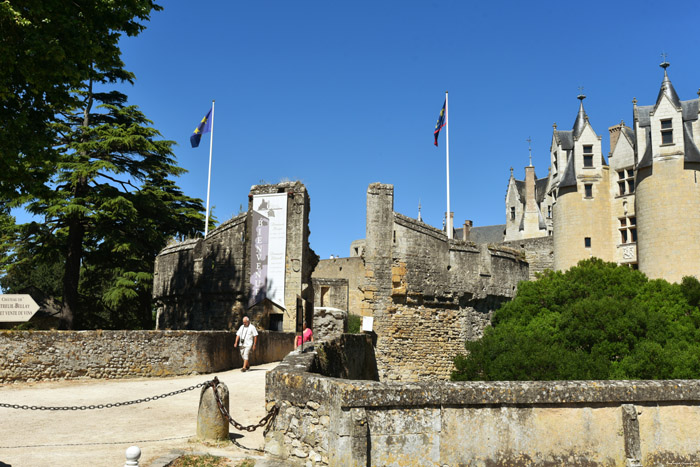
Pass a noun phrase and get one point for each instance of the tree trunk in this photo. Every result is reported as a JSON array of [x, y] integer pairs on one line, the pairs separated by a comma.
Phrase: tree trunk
[[76, 235], [71, 277]]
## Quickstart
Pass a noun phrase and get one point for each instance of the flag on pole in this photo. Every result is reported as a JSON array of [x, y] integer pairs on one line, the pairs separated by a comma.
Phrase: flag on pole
[[440, 123], [203, 127]]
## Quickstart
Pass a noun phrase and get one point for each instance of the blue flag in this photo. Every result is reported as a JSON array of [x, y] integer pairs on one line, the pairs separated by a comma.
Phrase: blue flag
[[440, 123], [203, 127]]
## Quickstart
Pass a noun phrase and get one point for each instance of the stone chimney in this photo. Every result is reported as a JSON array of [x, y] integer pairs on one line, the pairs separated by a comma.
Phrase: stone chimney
[[615, 135], [466, 230]]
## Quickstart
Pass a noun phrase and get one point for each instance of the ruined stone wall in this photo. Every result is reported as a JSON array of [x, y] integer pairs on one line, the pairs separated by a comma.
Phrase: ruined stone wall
[[539, 253], [351, 269], [57, 355], [427, 294], [201, 284], [204, 283], [330, 421]]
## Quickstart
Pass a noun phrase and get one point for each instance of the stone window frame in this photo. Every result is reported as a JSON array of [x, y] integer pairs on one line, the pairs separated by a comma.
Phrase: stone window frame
[[628, 230], [588, 190], [588, 156], [587, 242], [625, 181], [512, 213], [666, 131]]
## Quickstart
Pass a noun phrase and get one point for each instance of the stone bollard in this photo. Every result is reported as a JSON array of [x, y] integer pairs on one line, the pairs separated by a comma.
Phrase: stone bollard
[[211, 424], [133, 454]]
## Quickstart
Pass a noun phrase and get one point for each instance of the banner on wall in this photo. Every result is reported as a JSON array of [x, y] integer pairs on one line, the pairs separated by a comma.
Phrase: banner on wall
[[269, 249]]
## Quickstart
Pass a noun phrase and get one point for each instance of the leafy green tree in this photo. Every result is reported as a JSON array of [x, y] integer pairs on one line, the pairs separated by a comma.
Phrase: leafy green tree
[[108, 209], [95, 171], [48, 49], [594, 321]]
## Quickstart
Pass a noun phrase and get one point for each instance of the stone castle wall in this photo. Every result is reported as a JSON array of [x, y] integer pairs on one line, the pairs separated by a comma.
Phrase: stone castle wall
[[427, 294], [58, 355], [539, 253], [668, 245], [324, 420], [352, 270], [204, 283]]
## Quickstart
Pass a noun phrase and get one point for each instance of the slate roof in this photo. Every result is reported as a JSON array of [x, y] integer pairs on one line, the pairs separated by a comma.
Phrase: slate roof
[[689, 110], [487, 234]]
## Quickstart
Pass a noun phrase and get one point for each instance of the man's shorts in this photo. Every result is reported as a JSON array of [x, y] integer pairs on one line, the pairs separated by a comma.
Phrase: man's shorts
[[245, 351]]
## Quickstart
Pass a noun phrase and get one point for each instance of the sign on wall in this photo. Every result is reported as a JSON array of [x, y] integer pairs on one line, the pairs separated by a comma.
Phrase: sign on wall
[[17, 308], [269, 249]]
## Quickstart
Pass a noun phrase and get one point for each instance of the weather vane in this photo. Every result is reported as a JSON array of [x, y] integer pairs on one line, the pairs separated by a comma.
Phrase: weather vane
[[529, 148], [665, 63], [580, 96]]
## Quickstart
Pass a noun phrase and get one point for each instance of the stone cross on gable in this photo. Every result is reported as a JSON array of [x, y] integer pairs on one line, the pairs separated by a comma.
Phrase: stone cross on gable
[[529, 148]]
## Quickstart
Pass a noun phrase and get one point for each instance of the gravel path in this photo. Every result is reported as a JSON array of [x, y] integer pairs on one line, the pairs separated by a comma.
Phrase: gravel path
[[161, 428]]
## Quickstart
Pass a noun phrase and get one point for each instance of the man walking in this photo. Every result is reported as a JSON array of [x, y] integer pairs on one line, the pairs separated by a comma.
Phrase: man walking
[[247, 336]]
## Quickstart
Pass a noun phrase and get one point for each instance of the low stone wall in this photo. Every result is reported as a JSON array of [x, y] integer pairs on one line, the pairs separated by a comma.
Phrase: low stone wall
[[54, 355], [329, 421]]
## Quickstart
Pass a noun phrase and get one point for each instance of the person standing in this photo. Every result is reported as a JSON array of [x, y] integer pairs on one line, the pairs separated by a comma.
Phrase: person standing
[[306, 336], [247, 336]]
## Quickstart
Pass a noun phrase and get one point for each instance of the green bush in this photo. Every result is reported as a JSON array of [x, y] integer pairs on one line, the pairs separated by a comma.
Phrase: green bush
[[354, 323], [594, 321]]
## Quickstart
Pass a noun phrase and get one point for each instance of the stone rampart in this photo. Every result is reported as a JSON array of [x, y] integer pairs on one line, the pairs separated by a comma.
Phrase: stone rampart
[[205, 283], [325, 420], [428, 294], [539, 253], [56, 355]]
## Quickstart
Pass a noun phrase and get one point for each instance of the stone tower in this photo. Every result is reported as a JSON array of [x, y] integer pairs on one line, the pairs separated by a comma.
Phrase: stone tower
[[580, 182], [667, 189]]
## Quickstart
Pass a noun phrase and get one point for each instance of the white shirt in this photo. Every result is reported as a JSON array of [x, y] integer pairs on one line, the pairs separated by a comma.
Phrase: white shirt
[[247, 335]]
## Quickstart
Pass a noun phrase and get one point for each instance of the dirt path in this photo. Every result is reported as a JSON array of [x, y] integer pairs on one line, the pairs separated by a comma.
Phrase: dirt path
[[33, 438]]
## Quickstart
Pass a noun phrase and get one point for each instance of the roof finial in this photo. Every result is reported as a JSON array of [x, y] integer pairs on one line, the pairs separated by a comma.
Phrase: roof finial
[[420, 219], [511, 172], [634, 101], [580, 96], [529, 148], [664, 63], [554, 125]]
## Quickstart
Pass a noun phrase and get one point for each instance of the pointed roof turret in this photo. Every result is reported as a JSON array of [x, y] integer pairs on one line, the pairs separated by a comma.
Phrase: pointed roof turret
[[667, 88], [581, 118]]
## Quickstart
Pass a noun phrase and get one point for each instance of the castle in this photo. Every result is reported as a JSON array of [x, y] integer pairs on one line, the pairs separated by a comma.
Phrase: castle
[[640, 208]]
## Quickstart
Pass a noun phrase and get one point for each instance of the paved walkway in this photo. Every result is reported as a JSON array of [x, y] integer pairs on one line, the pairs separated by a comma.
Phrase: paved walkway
[[162, 428]]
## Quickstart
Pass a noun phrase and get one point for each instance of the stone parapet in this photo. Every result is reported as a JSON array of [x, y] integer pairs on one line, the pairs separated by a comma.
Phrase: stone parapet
[[58, 355], [326, 420]]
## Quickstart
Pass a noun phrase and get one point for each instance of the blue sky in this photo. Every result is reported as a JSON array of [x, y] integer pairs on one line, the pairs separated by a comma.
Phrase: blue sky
[[341, 94]]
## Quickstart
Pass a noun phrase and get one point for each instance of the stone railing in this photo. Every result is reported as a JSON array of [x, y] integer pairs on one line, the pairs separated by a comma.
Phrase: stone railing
[[332, 421], [54, 355]]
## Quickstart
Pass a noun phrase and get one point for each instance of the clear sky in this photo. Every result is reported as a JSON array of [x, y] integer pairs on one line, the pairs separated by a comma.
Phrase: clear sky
[[340, 94]]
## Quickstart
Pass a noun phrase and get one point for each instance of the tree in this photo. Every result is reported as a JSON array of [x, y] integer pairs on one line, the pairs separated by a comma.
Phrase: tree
[[47, 50], [594, 321], [96, 172]]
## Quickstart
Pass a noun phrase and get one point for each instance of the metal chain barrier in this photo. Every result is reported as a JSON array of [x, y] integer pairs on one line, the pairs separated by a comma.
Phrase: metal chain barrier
[[266, 420], [106, 406]]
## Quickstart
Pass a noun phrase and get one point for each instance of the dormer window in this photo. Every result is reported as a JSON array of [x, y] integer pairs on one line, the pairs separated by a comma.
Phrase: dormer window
[[667, 131], [588, 156]]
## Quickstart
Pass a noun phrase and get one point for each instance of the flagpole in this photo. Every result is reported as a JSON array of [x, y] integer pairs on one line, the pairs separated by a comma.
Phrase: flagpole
[[211, 145], [448, 222]]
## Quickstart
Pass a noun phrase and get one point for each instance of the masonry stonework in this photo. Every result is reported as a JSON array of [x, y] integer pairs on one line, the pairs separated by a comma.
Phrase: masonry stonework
[[58, 355], [204, 283], [325, 420], [428, 294]]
